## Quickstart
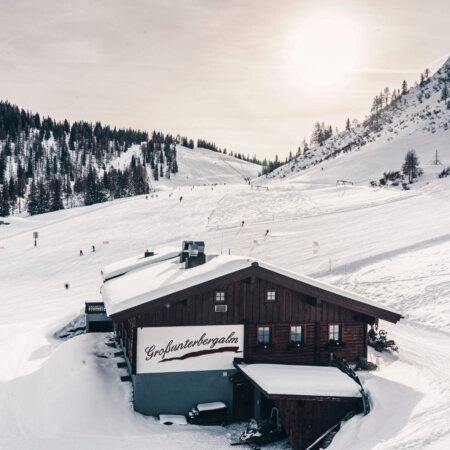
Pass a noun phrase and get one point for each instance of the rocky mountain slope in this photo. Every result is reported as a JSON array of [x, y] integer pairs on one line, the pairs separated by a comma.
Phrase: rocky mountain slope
[[418, 119]]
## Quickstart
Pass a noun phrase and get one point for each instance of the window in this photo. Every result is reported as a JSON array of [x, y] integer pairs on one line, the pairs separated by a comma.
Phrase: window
[[264, 335], [334, 332], [220, 296], [271, 295], [296, 334]]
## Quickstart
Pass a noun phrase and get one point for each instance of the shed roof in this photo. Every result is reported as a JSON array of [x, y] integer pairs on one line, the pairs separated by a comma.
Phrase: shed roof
[[301, 381], [163, 275]]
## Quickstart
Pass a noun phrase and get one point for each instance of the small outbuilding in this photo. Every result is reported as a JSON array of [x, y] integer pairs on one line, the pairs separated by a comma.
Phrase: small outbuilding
[[198, 328]]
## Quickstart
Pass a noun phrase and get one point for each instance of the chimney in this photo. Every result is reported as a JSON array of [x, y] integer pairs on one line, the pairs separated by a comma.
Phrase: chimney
[[194, 255], [185, 250], [147, 254]]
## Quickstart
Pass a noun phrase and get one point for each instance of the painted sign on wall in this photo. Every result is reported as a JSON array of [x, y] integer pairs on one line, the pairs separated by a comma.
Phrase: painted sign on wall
[[188, 349]]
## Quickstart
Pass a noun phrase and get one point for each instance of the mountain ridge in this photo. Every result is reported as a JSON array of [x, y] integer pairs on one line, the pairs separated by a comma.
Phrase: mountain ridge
[[421, 111]]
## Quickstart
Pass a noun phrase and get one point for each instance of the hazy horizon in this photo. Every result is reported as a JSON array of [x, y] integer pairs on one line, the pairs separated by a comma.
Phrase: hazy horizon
[[251, 76]]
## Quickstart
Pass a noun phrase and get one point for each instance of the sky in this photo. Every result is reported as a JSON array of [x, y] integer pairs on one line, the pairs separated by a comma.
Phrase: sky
[[252, 76]]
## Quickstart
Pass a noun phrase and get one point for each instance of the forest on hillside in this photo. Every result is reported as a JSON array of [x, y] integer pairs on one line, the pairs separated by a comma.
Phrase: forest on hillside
[[47, 165]]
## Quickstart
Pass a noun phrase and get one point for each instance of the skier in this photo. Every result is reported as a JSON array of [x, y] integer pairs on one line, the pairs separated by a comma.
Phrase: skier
[[93, 248], [81, 252], [243, 223], [267, 232], [181, 198], [372, 333]]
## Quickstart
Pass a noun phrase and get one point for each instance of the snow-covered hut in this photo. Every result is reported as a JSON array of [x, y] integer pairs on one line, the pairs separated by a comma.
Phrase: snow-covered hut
[[201, 328]]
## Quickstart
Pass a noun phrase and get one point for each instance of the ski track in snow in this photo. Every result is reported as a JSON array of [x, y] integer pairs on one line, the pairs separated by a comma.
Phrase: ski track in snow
[[389, 245]]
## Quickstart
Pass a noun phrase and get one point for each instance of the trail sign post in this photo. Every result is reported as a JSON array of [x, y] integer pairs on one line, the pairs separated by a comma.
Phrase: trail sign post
[[35, 237]]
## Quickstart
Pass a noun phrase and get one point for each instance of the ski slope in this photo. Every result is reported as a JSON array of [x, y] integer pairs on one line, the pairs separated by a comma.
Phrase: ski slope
[[389, 245], [197, 167]]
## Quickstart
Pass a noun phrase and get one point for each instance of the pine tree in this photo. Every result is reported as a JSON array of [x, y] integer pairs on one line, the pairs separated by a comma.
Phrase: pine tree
[[387, 95], [56, 202], [410, 165], [404, 87], [68, 191], [347, 124], [444, 94], [2, 167], [94, 193], [4, 202], [43, 198], [32, 200]]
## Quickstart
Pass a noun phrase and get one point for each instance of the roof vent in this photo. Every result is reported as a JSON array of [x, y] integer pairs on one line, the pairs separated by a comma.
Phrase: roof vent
[[147, 254], [220, 308]]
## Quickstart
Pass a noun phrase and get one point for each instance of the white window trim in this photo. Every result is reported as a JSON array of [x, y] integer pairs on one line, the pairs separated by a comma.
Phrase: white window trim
[[218, 296], [333, 330]]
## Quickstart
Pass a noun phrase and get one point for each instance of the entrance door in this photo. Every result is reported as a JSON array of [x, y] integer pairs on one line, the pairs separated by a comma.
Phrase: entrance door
[[243, 397]]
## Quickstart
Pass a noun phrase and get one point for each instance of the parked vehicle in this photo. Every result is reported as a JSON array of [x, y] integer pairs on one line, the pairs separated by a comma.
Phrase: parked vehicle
[[379, 341], [263, 431]]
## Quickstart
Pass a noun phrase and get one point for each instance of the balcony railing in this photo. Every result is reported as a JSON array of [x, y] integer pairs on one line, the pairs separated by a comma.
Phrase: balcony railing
[[95, 308]]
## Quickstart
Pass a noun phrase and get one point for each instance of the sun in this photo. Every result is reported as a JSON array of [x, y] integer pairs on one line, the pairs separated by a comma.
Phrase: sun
[[325, 51]]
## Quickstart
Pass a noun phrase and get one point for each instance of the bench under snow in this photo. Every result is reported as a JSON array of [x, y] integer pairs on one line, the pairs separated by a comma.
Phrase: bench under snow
[[172, 419]]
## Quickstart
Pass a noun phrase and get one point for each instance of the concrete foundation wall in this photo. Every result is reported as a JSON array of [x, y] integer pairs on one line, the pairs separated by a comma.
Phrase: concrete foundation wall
[[178, 392]]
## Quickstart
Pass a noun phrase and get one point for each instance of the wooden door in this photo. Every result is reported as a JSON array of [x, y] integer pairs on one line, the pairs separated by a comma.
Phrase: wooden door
[[243, 401]]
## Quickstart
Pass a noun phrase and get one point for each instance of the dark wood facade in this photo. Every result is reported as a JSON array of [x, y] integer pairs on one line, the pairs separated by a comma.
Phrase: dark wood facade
[[296, 304], [304, 420]]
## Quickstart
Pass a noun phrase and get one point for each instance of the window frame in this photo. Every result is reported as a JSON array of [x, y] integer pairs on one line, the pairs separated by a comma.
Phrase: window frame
[[339, 325], [262, 344], [218, 301], [266, 294], [302, 334]]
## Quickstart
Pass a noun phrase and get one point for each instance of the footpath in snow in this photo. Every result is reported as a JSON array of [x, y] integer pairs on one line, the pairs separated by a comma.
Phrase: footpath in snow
[[388, 245]]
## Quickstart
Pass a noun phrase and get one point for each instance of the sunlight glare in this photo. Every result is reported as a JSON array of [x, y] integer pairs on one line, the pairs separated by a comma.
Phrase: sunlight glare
[[325, 51]]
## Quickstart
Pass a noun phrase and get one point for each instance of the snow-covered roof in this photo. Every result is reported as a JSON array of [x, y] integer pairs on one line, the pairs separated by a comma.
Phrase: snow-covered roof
[[135, 262], [210, 406], [316, 381], [166, 277], [162, 276]]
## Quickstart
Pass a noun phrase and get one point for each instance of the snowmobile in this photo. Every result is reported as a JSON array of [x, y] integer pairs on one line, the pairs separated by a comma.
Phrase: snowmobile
[[379, 341], [261, 432]]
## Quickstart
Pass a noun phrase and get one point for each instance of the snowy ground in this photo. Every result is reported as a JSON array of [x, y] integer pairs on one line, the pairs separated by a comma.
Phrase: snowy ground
[[390, 245]]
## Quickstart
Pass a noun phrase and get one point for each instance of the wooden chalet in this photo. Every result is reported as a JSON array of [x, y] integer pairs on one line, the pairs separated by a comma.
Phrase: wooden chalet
[[201, 328]]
